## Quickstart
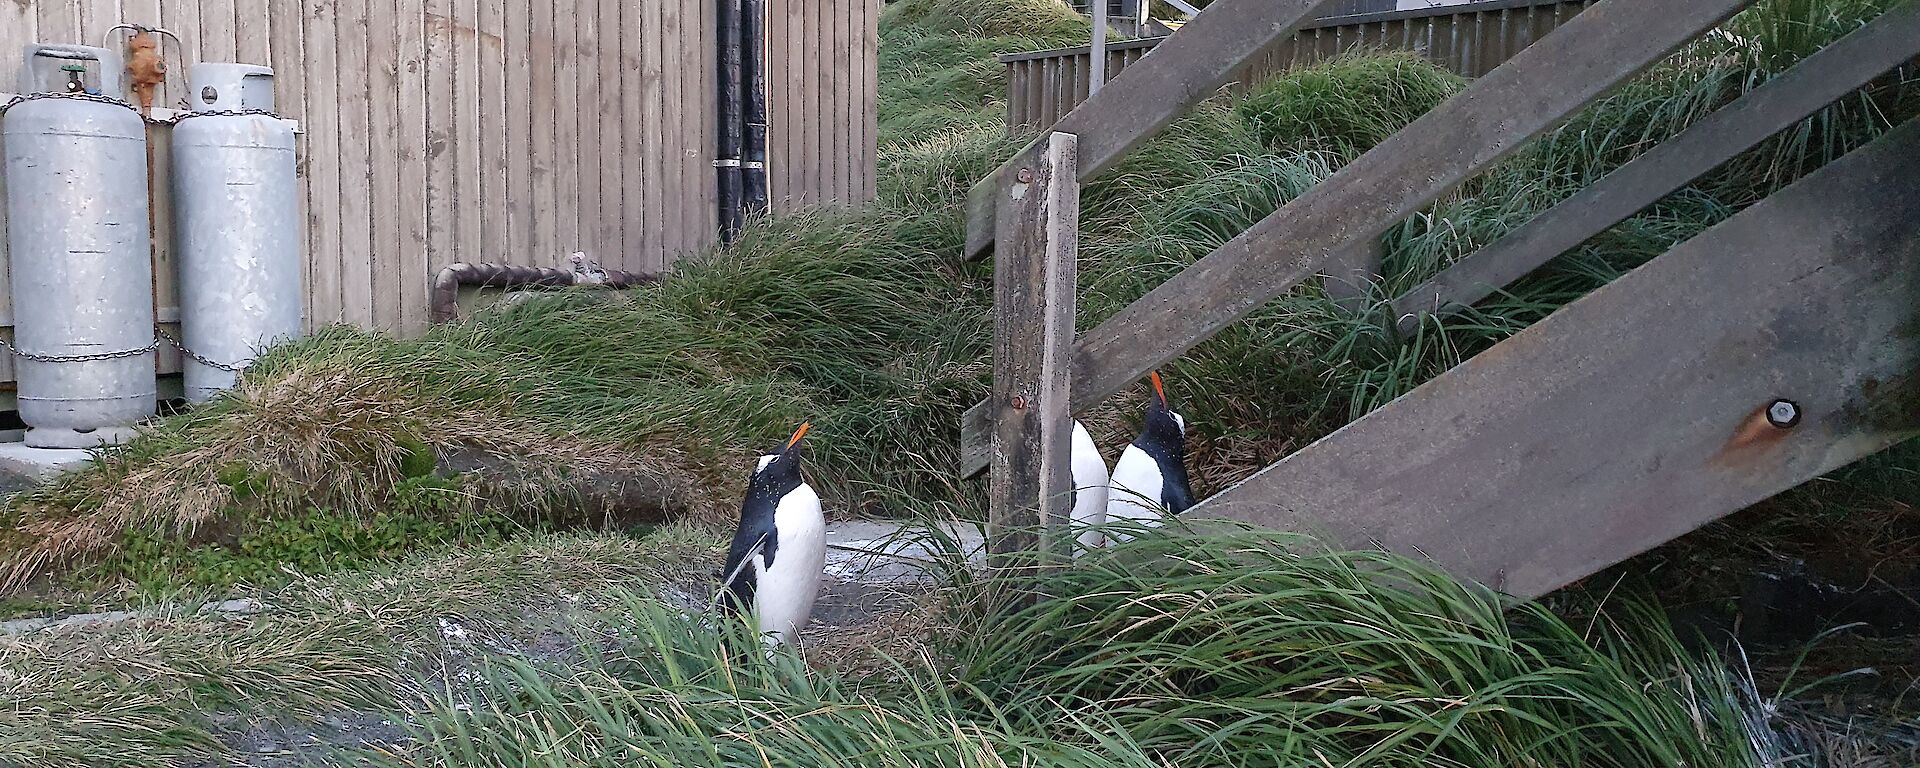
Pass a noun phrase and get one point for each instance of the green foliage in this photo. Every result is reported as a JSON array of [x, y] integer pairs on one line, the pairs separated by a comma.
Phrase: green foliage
[[1172, 650], [428, 513], [1348, 105]]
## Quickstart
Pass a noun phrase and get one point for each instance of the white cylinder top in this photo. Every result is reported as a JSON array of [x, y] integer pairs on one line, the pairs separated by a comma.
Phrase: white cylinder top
[[224, 86]]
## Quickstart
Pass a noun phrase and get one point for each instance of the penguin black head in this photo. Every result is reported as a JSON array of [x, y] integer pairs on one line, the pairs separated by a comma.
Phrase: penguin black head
[[1164, 437], [777, 475], [1164, 428]]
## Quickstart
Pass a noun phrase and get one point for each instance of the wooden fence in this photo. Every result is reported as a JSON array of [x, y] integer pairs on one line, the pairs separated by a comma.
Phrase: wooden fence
[[515, 131], [1762, 353], [1470, 39]]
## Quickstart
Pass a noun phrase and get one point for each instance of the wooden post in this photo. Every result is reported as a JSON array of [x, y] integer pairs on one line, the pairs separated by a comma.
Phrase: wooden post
[[1097, 53], [1034, 274], [1351, 275]]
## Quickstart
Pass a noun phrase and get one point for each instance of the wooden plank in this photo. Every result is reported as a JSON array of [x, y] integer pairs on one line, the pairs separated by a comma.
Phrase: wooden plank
[[816, 129], [288, 56], [253, 31], [1034, 296], [611, 85], [413, 262], [442, 126], [587, 148], [870, 116], [219, 32], [1818, 80], [496, 196], [673, 126], [633, 170], [19, 27], [323, 157], [384, 82], [356, 174], [1147, 97], [1642, 411], [1493, 117], [468, 141], [704, 227], [544, 125], [653, 138], [517, 44], [59, 23]]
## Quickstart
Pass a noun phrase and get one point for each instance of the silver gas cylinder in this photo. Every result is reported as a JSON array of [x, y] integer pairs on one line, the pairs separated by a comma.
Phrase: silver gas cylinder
[[77, 230], [236, 225]]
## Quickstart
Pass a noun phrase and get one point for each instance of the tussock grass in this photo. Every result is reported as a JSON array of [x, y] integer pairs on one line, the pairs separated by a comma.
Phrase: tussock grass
[[146, 692], [1171, 650]]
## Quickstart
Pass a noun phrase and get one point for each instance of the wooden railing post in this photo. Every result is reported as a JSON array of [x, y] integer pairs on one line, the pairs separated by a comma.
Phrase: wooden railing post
[[1034, 273]]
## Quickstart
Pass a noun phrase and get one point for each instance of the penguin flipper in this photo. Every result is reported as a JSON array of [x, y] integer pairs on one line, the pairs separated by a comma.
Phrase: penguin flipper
[[737, 586]]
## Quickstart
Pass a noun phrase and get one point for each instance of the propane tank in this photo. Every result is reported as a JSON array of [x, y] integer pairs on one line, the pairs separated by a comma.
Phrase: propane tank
[[76, 175], [236, 225]]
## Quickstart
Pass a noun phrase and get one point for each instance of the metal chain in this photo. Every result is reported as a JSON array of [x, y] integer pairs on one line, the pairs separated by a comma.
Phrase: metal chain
[[182, 116], [175, 120], [96, 356], [17, 100], [199, 358], [89, 357]]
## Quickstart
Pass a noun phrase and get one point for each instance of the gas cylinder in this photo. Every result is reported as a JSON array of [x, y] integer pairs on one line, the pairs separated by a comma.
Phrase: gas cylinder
[[81, 269], [236, 225]]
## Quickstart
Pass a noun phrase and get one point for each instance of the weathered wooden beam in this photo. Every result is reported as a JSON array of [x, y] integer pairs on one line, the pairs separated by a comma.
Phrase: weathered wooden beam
[[1034, 294], [1146, 97], [1523, 98], [1855, 60], [1773, 348]]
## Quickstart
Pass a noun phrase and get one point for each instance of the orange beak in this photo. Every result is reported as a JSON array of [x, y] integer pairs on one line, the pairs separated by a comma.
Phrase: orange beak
[[1158, 390], [802, 432]]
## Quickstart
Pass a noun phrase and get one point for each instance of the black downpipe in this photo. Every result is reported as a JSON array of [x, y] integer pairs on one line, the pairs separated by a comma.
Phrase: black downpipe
[[753, 65], [731, 124]]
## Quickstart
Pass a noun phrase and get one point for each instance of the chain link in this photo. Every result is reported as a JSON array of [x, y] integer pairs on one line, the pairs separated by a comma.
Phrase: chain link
[[159, 335], [89, 357], [199, 358], [94, 97], [179, 115]]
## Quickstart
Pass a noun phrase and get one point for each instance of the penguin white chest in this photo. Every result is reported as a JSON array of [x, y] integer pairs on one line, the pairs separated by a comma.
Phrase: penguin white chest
[[1136, 488], [784, 592], [1089, 489]]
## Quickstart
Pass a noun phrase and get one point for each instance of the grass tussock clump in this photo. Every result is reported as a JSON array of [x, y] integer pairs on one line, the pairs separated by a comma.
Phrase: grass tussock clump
[[1175, 650]]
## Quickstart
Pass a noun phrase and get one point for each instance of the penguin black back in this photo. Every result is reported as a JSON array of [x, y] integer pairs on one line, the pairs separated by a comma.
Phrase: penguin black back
[[1164, 438], [778, 475]]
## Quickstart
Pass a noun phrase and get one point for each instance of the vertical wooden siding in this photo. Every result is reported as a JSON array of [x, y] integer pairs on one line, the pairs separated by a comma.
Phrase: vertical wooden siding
[[515, 131], [1469, 39]]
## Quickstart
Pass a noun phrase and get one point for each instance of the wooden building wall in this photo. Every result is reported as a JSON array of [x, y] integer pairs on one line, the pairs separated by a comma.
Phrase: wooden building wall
[[515, 131]]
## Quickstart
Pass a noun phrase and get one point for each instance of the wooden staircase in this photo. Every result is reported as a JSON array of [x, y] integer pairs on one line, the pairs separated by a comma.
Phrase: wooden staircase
[[1770, 349]]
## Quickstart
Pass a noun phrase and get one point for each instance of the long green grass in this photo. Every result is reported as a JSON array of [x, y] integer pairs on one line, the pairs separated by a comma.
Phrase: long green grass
[[1216, 650]]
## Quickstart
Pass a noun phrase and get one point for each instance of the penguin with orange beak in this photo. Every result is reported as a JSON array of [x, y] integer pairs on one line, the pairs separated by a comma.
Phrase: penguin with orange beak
[[775, 564], [1150, 479]]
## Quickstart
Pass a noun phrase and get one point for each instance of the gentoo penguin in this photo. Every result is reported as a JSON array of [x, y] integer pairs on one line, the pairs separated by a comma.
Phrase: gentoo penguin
[[1089, 490], [774, 566], [1150, 479]]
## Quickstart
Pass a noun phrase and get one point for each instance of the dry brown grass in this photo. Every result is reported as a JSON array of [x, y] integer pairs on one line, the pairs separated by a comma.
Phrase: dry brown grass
[[338, 439]]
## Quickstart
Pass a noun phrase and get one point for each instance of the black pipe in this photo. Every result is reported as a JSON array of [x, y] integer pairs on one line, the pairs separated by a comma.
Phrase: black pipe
[[753, 65], [731, 126]]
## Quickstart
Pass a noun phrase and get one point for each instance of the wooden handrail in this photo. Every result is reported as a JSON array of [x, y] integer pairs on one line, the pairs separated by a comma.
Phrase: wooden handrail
[[1769, 350], [1147, 97], [1493, 117], [1822, 78]]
